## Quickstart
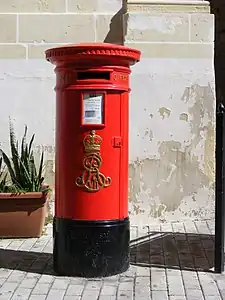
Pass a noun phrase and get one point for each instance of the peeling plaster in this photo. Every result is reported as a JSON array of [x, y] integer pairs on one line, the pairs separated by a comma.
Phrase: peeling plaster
[[171, 184], [184, 117], [164, 112]]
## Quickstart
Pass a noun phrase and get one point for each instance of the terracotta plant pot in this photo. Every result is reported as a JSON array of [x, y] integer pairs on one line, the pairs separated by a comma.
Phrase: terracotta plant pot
[[22, 215]]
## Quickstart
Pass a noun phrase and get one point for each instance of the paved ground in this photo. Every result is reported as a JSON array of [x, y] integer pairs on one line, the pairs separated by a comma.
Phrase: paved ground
[[169, 262]]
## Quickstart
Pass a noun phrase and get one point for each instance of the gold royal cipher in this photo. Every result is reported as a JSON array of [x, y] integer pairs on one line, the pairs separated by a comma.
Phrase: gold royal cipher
[[92, 179]]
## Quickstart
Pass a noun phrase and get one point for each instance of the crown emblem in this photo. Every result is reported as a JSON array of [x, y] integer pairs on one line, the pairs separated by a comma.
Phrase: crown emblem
[[92, 142]]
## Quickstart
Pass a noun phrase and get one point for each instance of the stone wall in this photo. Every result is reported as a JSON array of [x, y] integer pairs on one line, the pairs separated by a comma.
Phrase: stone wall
[[172, 118], [28, 28]]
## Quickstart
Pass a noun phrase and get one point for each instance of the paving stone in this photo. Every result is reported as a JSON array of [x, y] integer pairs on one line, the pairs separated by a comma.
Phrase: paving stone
[[190, 227], [41, 288], [74, 290], [126, 286], [7, 289], [93, 285], [178, 227], [90, 294], [60, 284], [15, 245], [190, 280], [32, 276], [126, 279], [209, 286], [106, 297], [141, 291], [16, 276], [202, 227], [142, 281], [21, 294], [131, 272], [78, 280], [166, 227], [55, 294], [113, 282], [45, 278], [194, 295], [49, 247], [159, 295], [175, 283], [211, 226], [133, 232], [213, 297], [27, 244], [125, 295], [141, 297], [28, 283], [154, 228], [141, 271], [177, 298], [158, 279], [4, 243], [38, 297], [2, 281], [108, 290], [5, 273], [72, 298], [40, 244], [222, 293]]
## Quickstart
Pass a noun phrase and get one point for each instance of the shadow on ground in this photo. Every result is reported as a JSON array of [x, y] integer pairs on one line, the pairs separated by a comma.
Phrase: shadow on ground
[[170, 250], [34, 262], [174, 250]]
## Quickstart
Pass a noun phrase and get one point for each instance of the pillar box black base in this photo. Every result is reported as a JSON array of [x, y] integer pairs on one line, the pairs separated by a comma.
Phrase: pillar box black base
[[90, 248]]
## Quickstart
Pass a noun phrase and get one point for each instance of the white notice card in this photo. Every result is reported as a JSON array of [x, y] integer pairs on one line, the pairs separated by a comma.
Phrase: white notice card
[[92, 108]]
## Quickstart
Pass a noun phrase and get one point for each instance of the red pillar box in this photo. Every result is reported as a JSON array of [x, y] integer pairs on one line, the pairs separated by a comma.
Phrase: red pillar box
[[91, 224]]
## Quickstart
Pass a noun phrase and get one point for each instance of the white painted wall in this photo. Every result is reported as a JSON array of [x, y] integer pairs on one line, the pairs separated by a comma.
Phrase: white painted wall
[[28, 98], [172, 123]]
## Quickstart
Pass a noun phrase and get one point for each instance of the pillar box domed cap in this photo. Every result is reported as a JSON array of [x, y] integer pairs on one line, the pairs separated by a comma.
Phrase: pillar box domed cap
[[93, 53]]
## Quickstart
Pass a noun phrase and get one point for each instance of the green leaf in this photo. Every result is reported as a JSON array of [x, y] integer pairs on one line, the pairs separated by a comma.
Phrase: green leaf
[[9, 167], [23, 146], [30, 144], [14, 152], [26, 175], [40, 178]]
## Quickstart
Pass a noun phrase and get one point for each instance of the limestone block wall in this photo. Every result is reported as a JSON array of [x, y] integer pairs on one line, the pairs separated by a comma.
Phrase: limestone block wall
[[172, 116], [27, 29]]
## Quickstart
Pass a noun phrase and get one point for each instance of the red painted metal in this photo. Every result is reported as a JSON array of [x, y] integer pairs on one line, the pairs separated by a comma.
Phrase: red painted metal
[[95, 68]]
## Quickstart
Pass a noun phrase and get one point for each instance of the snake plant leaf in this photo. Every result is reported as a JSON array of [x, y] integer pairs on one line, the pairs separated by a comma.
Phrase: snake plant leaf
[[23, 145], [1, 163], [26, 159], [14, 152], [32, 164], [41, 166], [2, 177], [9, 167], [30, 144], [3, 185], [27, 179]]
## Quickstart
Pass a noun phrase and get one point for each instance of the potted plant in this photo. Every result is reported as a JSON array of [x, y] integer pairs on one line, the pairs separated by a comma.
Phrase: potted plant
[[23, 196]]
